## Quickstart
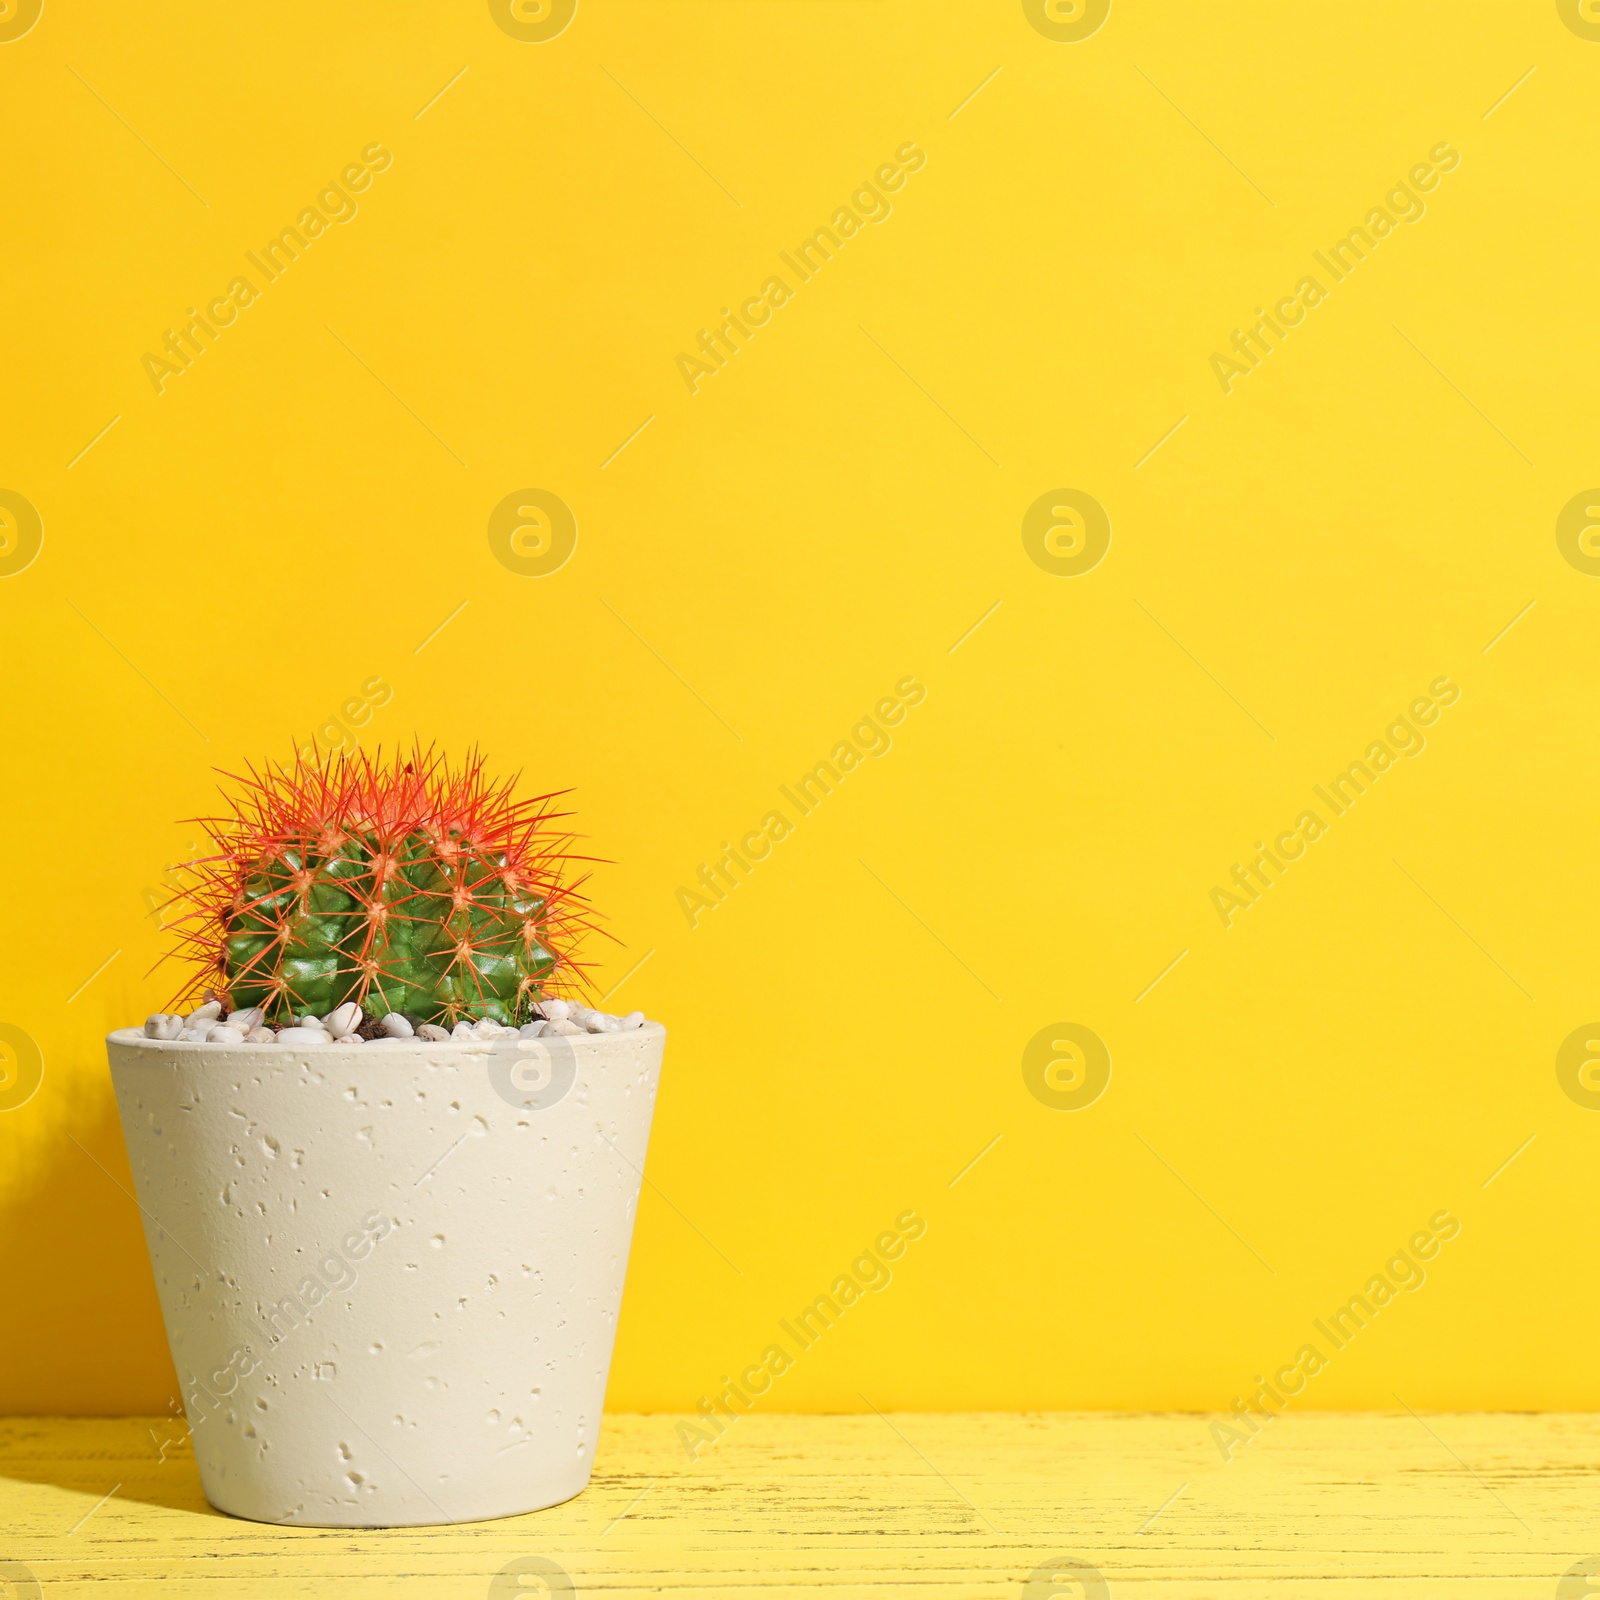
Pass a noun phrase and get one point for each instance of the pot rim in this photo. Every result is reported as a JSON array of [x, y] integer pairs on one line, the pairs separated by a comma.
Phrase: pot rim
[[134, 1037]]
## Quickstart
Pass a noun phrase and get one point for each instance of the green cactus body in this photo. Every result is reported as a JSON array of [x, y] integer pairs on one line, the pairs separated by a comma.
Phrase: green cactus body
[[423, 893]]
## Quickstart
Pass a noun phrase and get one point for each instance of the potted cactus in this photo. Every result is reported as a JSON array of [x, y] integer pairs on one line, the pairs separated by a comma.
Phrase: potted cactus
[[388, 1160]]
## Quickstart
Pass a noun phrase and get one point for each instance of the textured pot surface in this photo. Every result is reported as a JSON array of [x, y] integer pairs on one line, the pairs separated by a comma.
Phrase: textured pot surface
[[390, 1273]]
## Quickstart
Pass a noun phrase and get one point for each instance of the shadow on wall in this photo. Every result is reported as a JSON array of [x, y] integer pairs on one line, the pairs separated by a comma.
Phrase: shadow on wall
[[82, 1335]]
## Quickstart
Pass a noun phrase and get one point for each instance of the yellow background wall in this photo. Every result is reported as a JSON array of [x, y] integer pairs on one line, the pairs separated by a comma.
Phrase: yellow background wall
[[1366, 511]]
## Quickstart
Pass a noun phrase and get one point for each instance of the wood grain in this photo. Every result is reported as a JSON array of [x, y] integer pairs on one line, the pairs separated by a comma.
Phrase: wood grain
[[1318, 1505]]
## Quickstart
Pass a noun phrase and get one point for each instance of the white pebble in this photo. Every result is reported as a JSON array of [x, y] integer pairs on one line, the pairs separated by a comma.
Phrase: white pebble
[[532, 1030], [221, 1033], [463, 1030], [303, 1036], [349, 1038], [162, 1025], [487, 1028], [595, 1022], [432, 1031], [310, 1020], [209, 1012], [396, 1027], [194, 1035], [555, 1010], [634, 1019], [246, 1021], [568, 1028], [343, 1019], [262, 1036]]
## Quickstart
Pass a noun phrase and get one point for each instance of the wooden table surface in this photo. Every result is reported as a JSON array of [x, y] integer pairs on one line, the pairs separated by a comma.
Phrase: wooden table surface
[[1318, 1505]]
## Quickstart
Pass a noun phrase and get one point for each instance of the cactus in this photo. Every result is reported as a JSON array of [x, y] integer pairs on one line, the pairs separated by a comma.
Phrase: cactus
[[405, 886]]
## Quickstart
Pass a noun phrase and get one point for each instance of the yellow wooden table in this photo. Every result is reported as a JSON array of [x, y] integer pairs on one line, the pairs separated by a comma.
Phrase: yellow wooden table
[[1036, 1505]]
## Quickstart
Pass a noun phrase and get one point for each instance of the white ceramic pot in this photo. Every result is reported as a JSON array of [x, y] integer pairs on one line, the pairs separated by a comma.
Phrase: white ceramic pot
[[390, 1273]]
